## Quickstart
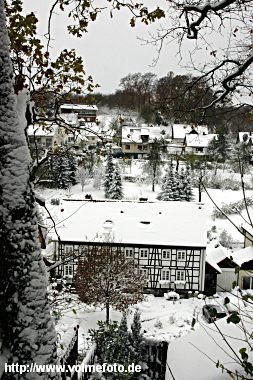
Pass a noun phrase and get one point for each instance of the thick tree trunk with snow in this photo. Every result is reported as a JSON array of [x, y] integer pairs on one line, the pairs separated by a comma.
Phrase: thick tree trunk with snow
[[25, 320]]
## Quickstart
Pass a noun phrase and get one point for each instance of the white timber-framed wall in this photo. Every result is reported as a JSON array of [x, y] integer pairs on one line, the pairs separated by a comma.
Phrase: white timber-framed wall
[[165, 267]]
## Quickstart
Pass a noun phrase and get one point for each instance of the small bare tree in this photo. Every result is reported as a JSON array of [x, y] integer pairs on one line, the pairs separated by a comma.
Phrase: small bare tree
[[106, 277]]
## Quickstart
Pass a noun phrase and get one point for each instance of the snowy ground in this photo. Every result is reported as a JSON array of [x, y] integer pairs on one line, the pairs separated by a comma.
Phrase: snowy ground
[[162, 320]]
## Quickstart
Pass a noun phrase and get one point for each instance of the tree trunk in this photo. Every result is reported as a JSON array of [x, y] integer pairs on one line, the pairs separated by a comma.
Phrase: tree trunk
[[153, 185], [107, 307], [199, 191], [25, 315]]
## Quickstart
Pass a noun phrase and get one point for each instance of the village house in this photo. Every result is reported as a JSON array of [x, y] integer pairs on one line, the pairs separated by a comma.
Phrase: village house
[[226, 268], [167, 240], [178, 131], [197, 143], [246, 137], [83, 111], [42, 137], [186, 139], [136, 140]]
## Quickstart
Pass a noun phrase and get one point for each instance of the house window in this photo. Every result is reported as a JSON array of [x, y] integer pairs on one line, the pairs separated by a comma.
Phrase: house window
[[247, 282], [129, 252], [127, 147], [139, 147], [70, 138], [181, 255], [166, 253], [144, 272], [68, 249], [38, 139], [166, 275], [180, 275], [199, 150], [68, 270], [144, 253], [48, 142]]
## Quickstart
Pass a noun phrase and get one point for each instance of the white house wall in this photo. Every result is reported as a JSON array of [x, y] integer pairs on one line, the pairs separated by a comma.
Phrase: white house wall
[[225, 279]]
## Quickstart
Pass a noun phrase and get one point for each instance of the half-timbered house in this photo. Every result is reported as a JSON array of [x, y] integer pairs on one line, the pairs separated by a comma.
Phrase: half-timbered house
[[166, 239]]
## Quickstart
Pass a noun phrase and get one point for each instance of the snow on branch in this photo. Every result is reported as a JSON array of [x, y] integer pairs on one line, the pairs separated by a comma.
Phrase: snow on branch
[[193, 26]]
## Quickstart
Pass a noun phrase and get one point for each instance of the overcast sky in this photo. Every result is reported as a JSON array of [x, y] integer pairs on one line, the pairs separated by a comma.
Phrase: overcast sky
[[111, 48]]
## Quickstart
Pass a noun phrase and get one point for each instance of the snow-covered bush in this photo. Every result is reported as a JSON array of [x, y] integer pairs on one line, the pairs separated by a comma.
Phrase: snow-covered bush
[[158, 324], [231, 208], [219, 182], [225, 239]]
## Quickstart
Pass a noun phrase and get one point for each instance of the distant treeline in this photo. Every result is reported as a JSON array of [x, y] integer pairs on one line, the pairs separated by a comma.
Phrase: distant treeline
[[174, 98]]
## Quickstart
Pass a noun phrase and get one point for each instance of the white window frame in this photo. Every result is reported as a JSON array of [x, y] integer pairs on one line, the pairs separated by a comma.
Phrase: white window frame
[[143, 253], [165, 275], [129, 252], [68, 270], [180, 275], [181, 255], [166, 254]]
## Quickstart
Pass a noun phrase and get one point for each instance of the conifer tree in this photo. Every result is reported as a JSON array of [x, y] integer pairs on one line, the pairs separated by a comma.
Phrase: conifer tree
[[219, 148], [61, 170], [182, 184], [26, 327], [167, 184], [136, 339], [72, 168], [116, 191], [176, 187], [109, 172], [49, 168], [123, 341], [187, 183]]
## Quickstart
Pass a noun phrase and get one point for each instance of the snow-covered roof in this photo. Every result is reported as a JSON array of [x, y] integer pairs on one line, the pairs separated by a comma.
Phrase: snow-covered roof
[[197, 140], [70, 118], [79, 107], [133, 134], [200, 350], [215, 253], [248, 228], [93, 129], [159, 223], [47, 130], [241, 136], [180, 130], [243, 255]]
